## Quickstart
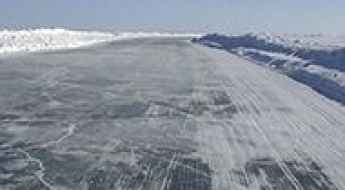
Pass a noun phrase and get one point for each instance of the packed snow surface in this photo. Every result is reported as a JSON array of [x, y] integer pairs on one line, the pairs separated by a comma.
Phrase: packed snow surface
[[53, 39]]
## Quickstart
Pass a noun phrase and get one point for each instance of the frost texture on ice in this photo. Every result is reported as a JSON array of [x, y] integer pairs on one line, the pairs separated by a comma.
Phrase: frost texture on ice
[[54, 39]]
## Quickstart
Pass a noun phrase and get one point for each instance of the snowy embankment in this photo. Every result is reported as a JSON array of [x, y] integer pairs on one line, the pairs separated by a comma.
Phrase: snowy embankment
[[315, 60], [53, 39], [48, 39]]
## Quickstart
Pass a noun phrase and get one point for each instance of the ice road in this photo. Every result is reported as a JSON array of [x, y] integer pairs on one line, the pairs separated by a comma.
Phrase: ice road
[[163, 114]]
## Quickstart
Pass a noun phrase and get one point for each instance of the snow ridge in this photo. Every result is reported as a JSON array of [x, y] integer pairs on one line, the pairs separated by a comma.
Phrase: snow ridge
[[304, 41], [32, 40], [48, 39], [315, 60]]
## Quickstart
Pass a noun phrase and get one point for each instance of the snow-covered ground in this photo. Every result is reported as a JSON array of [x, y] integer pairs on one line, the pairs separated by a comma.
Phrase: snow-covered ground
[[53, 39], [315, 60]]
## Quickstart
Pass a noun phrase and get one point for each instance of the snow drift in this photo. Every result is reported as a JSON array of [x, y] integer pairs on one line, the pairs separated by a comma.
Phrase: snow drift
[[48, 39], [315, 60], [53, 39]]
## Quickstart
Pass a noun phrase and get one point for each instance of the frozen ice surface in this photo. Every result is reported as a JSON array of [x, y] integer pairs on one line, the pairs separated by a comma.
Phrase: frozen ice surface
[[163, 114]]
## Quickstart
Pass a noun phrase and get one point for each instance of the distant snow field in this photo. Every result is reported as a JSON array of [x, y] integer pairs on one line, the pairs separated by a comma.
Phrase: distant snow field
[[52, 39]]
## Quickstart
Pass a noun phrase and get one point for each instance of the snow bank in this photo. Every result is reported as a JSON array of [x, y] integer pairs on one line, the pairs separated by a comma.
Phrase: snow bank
[[53, 39], [315, 60], [321, 50], [306, 41], [48, 39]]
